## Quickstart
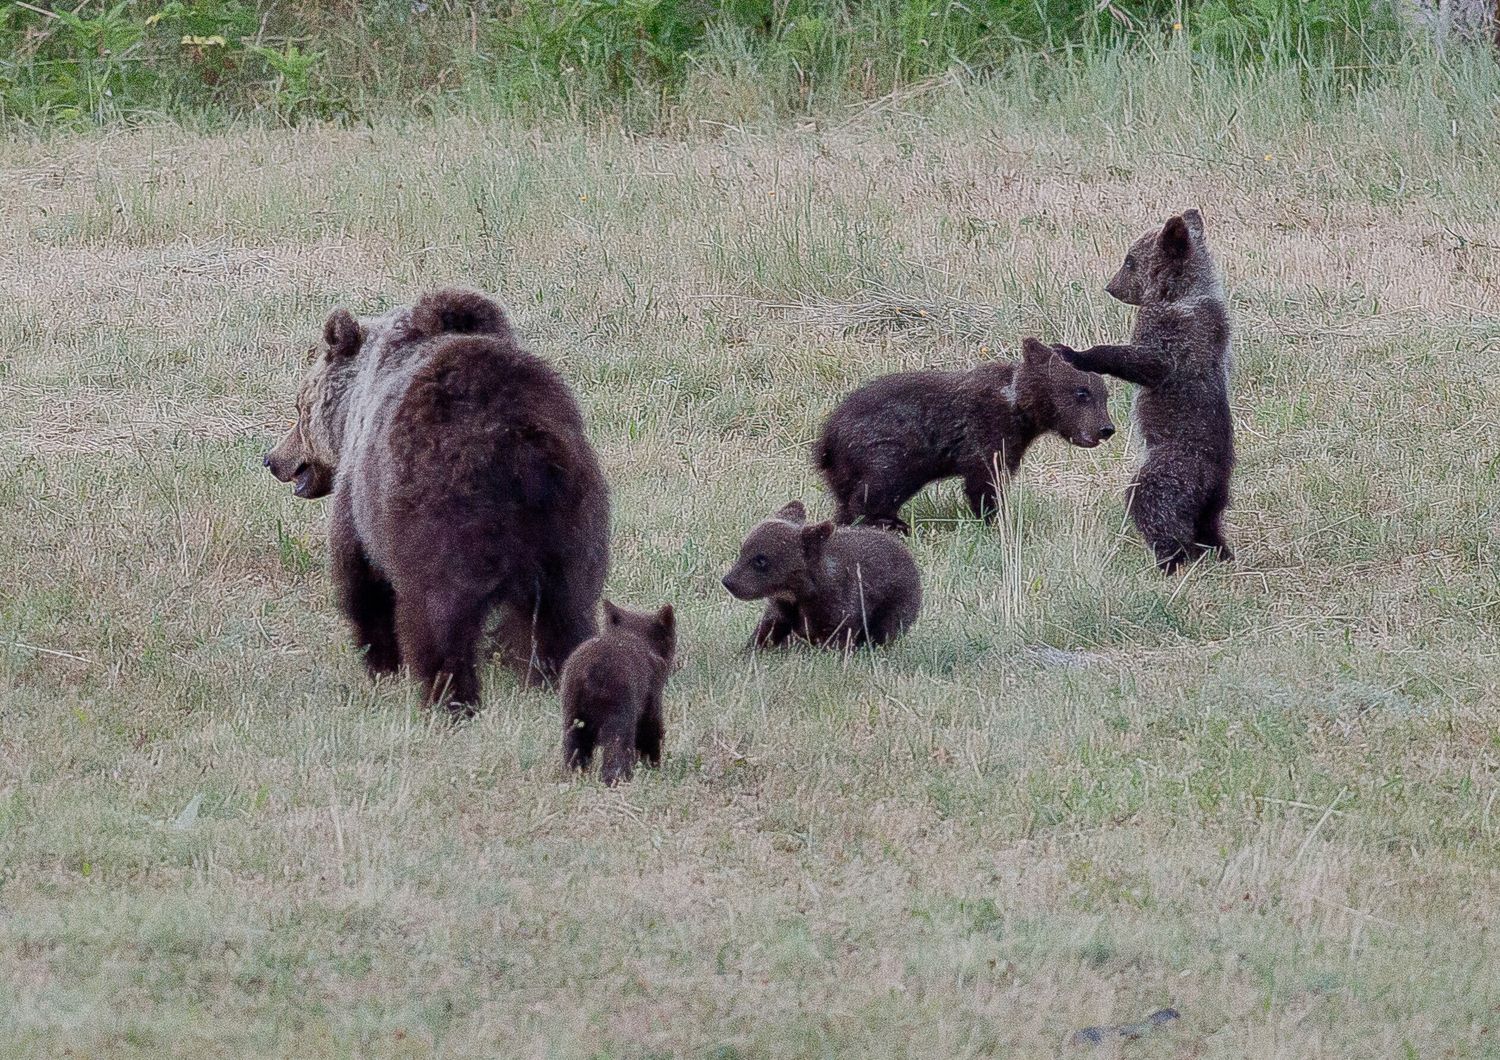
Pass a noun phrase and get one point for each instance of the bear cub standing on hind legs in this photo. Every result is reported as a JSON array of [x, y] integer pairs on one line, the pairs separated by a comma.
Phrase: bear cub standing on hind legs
[[834, 587], [611, 692], [894, 435], [1179, 356], [462, 481]]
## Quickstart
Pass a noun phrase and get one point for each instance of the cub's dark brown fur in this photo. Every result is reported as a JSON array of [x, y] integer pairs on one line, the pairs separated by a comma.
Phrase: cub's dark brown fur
[[462, 481], [833, 587], [611, 692], [896, 434], [1179, 356]]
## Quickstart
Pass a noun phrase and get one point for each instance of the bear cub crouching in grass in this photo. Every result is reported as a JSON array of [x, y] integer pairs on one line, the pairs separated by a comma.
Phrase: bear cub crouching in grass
[[834, 587], [894, 435], [462, 481], [611, 692], [1179, 357]]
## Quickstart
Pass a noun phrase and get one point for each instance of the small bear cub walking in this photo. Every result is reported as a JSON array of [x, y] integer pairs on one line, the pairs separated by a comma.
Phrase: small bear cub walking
[[894, 435], [1179, 356], [612, 688], [834, 587]]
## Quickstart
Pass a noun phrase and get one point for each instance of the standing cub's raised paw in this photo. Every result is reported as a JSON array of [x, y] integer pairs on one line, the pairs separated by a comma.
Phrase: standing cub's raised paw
[[834, 587], [612, 691], [894, 435]]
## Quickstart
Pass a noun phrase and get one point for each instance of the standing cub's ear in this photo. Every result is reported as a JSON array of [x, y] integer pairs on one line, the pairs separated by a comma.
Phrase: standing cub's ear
[[341, 334], [1035, 352], [611, 613], [459, 311], [666, 618], [1176, 243], [815, 537], [792, 512], [1194, 221]]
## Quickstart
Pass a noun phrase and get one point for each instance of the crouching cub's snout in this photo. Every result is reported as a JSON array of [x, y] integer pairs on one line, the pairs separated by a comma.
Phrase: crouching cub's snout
[[1088, 439], [736, 590]]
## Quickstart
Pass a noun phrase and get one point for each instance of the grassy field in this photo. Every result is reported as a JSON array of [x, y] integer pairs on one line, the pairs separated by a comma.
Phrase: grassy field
[[1265, 794]]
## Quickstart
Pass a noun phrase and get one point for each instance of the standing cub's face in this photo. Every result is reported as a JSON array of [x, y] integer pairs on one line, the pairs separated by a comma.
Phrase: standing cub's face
[[778, 556], [1167, 264], [1080, 400], [308, 455]]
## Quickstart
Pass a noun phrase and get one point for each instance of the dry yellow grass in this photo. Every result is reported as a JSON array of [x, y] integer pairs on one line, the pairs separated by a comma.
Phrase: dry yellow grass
[[1264, 794]]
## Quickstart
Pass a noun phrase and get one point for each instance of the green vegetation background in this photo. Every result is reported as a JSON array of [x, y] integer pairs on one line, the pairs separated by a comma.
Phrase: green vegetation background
[[645, 63]]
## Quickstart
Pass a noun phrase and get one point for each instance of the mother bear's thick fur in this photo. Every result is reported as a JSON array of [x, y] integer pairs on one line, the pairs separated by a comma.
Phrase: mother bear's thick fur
[[462, 481]]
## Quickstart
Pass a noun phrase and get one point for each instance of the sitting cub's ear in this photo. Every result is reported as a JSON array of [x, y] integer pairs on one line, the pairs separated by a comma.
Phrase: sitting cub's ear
[[1194, 221], [341, 334], [792, 512], [1035, 352], [611, 613], [459, 311], [666, 618], [1175, 242], [816, 536]]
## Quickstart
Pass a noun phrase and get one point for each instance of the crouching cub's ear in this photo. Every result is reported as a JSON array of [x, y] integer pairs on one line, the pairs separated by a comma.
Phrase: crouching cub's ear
[[459, 311], [792, 512], [1035, 352], [815, 537]]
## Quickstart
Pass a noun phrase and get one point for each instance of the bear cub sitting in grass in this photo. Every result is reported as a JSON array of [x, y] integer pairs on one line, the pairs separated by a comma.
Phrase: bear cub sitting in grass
[[834, 587], [894, 435], [1179, 356], [611, 692]]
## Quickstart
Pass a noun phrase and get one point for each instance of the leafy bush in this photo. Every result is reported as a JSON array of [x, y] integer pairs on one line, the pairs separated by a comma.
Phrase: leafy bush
[[619, 47], [68, 65], [1337, 31], [100, 62]]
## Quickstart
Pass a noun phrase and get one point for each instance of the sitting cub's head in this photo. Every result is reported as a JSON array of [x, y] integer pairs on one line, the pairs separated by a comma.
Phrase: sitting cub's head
[[779, 556]]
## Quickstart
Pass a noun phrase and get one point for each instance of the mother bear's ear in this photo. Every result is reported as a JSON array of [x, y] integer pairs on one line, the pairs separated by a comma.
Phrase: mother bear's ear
[[341, 334], [459, 311]]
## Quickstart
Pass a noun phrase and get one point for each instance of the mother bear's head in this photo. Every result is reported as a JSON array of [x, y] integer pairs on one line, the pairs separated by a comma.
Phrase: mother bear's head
[[308, 454]]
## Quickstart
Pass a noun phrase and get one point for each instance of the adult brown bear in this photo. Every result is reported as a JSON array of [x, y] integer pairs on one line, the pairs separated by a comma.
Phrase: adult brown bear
[[462, 481]]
